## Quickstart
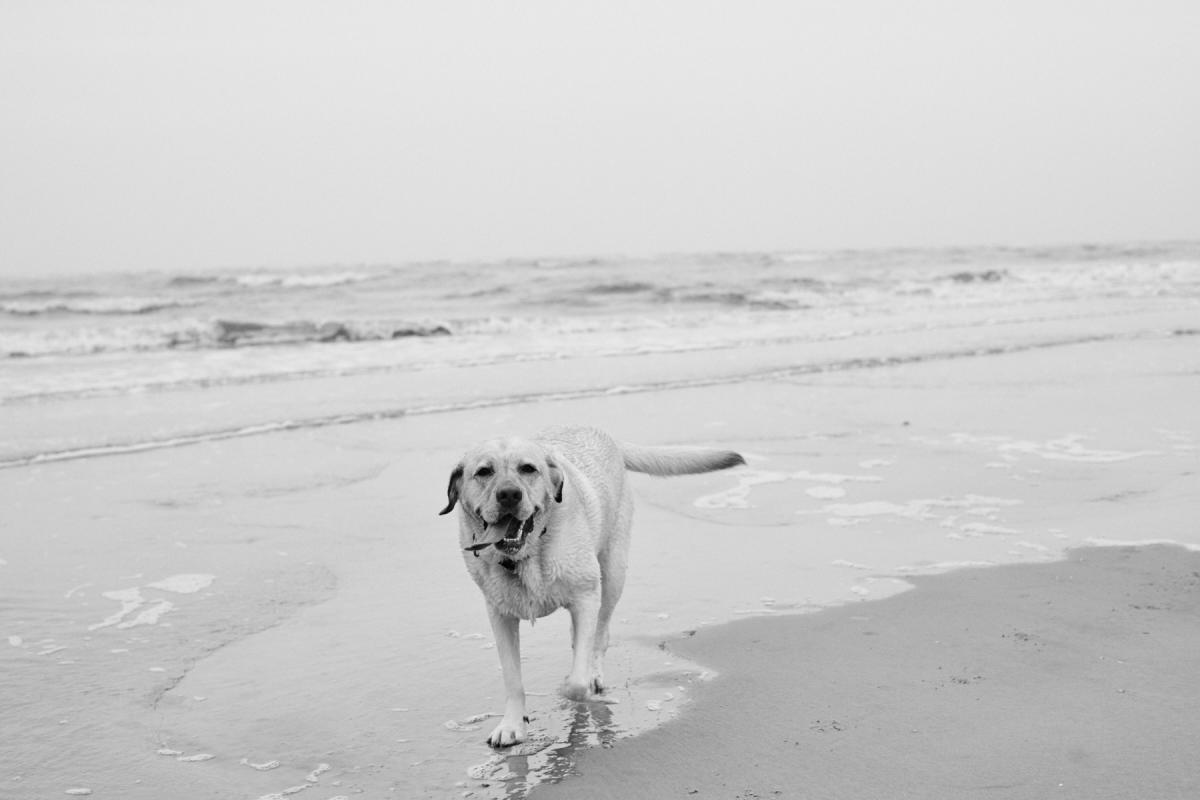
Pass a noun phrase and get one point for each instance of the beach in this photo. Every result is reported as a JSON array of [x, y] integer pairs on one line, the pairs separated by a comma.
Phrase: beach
[[1069, 679], [225, 576]]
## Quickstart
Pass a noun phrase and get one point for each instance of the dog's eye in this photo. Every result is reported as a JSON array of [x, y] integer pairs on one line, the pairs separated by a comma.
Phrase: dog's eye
[[527, 469], [484, 472]]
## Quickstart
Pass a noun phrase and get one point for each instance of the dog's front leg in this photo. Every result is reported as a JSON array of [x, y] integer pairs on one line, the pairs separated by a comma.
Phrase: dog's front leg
[[506, 630], [584, 612]]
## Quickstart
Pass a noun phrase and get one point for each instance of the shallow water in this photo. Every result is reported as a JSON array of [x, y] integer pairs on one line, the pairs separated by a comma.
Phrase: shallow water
[[224, 575]]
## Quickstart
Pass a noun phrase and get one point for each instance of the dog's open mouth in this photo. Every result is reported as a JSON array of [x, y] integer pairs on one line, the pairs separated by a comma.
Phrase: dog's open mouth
[[515, 532]]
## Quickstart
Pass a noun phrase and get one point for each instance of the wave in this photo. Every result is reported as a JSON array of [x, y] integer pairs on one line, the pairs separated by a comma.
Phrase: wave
[[285, 280], [981, 276], [36, 304], [42, 294], [199, 335], [646, 296], [620, 287], [761, 300], [230, 333], [194, 334]]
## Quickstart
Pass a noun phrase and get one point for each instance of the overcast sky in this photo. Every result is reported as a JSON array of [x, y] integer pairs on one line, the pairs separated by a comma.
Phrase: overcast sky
[[175, 135]]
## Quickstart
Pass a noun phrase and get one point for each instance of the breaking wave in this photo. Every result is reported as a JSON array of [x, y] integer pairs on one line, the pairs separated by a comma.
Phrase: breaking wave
[[38, 304], [200, 335], [285, 280]]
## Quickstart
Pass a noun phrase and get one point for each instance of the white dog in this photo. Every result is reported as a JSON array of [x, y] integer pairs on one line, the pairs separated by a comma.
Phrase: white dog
[[544, 524]]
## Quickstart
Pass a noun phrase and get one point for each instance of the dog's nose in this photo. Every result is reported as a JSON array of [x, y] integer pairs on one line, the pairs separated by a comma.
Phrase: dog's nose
[[508, 495]]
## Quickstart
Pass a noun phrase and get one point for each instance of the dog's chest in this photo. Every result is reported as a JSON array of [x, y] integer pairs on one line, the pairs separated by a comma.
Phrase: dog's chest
[[522, 592]]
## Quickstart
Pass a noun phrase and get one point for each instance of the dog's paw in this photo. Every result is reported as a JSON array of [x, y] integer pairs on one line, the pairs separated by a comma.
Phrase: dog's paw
[[508, 733], [584, 693], [578, 692]]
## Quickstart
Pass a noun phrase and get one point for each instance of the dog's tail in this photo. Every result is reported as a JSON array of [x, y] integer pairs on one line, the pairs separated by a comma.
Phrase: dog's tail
[[677, 460]]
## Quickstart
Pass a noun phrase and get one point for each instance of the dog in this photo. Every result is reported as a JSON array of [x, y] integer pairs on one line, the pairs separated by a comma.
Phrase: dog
[[544, 524]]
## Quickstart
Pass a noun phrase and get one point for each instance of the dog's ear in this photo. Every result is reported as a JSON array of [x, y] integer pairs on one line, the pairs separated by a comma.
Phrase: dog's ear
[[453, 489], [556, 477]]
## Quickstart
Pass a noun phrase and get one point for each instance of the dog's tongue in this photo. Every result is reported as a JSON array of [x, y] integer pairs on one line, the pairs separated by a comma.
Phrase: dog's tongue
[[514, 535], [514, 528], [511, 540]]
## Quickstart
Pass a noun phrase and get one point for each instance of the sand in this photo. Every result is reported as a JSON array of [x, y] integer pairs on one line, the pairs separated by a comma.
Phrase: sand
[[337, 626], [1071, 679]]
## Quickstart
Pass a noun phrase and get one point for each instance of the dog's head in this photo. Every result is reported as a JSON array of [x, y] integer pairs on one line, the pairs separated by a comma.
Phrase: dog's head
[[506, 482]]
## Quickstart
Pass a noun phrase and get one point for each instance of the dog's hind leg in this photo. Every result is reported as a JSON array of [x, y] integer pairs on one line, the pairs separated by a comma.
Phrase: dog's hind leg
[[613, 562], [585, 611], [613, 583], [507, 632]]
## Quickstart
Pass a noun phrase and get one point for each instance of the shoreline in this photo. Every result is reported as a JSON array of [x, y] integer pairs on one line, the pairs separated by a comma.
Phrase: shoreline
[[46, 425], [1072, 678]]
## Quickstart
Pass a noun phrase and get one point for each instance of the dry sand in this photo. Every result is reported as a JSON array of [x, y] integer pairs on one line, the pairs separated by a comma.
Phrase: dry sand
[[1074, 679]]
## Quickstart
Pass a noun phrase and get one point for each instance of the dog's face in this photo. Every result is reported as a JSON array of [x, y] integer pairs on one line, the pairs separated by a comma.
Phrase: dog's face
[[506, 482]]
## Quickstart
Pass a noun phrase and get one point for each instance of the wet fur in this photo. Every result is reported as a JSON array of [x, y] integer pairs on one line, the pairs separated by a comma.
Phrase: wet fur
[[573, 482]]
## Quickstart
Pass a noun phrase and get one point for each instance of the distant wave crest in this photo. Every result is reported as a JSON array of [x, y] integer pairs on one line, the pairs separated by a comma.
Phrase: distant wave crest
[[761, 300], [230, 333], [33, 305], [980, 276], [285, 280]]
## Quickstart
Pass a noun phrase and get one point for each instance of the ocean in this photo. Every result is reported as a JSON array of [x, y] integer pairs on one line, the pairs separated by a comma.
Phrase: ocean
[[113, 335], [222, 574]]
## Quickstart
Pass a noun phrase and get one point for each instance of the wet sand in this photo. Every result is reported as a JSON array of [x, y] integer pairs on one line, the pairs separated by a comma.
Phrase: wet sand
[[336, 625], [1073, 679]]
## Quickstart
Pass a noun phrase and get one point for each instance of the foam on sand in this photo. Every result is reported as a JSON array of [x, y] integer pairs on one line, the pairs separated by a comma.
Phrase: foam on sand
[[131, 600], [149, 616], [747, 479], [183, 584], [1064, 448], [921, 509]]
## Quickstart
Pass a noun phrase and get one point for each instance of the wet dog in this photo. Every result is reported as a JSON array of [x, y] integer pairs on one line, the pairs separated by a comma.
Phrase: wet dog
[[544, 524]]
